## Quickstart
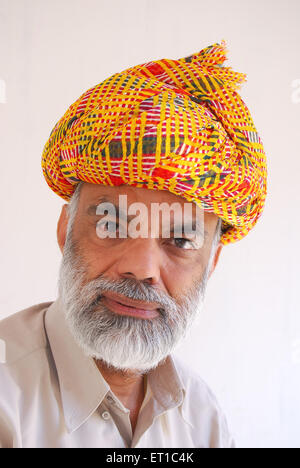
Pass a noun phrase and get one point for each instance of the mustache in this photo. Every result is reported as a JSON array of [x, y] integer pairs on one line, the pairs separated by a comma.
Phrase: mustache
[[132, 289]]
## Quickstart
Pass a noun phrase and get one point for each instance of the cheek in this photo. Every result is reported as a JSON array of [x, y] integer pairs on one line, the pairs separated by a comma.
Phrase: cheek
[[98, 260], [94, 253], [179, 278]]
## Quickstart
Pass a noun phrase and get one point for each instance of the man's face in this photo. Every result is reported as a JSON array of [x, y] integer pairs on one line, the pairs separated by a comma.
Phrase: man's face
[[160, 279]]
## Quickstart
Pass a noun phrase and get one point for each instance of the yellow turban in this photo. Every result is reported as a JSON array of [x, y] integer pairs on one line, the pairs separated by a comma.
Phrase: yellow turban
[[176, 125]]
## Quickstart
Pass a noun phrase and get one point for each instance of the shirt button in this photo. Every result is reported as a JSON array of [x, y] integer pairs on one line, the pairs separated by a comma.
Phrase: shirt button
[[110, 399], [105, 415]]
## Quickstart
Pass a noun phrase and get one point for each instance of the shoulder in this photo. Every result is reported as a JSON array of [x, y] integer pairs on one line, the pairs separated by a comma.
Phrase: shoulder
[[22, 340], [201, 408], [23, 333], [195, 385]]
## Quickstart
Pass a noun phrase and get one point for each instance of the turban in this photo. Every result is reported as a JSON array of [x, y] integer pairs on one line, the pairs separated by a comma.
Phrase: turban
[[175, 125]]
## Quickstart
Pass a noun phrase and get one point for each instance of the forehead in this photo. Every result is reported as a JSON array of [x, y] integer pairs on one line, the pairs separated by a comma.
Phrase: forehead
[[91, 194]]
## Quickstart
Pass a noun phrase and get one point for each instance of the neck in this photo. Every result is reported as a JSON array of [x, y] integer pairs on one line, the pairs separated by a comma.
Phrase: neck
[[124, 384], [129, 387]]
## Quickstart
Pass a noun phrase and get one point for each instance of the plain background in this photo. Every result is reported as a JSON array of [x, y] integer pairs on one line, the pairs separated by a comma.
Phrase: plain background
[[247, 343]]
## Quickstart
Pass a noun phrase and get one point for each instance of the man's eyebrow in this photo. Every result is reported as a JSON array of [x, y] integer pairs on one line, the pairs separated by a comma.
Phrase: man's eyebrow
[[91, 210], [189, 227]]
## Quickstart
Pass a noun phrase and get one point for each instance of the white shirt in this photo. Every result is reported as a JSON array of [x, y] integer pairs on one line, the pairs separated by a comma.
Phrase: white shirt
[[54, 396]]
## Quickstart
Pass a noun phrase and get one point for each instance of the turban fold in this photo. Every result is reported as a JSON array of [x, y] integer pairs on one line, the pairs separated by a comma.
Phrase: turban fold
[[175, 125]]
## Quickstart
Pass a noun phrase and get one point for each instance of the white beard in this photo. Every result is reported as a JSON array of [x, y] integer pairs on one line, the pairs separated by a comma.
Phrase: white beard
[[124, 343]]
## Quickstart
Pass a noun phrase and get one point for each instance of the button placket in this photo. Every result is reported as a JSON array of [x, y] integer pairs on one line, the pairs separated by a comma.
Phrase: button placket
[[116, 405], [105, 415]]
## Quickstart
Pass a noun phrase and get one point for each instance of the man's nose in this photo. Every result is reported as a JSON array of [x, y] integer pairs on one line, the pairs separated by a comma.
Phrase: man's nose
[[141, 261]]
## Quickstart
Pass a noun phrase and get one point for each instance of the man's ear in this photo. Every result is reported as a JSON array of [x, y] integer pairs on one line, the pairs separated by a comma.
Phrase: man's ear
[[62, 226], [216, 259]]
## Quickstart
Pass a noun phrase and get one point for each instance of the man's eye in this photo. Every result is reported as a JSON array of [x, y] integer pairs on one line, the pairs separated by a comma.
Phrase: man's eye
[[183, 243], [106, 228], [110, 226]]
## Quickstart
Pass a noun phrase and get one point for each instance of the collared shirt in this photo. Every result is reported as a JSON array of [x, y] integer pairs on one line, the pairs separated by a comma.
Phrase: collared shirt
[[54, 396]]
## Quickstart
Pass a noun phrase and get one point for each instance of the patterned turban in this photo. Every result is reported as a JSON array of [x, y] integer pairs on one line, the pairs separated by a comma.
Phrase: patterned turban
[[176, 125]]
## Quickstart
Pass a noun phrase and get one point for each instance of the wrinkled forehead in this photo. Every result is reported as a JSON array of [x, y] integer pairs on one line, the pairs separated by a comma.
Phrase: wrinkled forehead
[[93, 195]]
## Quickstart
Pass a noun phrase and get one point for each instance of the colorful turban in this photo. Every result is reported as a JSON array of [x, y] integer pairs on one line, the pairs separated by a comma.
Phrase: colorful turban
[[176, 125]]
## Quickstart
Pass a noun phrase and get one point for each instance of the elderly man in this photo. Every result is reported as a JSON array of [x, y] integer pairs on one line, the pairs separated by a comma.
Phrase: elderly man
[[95, 367]]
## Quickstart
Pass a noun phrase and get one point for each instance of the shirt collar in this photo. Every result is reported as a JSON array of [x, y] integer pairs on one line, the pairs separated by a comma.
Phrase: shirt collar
[[82, 385]]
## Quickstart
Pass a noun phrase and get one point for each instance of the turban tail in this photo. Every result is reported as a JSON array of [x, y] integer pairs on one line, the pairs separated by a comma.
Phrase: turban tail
[[176, 125]]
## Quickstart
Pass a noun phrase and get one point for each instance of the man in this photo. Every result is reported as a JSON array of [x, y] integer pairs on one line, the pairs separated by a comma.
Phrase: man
[[95, 367]]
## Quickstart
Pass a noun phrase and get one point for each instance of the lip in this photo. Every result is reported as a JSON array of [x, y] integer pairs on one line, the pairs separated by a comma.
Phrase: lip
[[123, 306]]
